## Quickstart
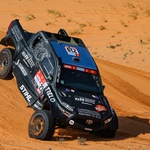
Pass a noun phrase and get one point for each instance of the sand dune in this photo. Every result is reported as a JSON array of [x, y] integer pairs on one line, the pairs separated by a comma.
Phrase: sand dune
[[116, 34], [129, 98]]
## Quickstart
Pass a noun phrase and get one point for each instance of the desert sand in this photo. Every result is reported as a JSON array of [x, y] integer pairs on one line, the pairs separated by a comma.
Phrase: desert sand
[[117, 36]]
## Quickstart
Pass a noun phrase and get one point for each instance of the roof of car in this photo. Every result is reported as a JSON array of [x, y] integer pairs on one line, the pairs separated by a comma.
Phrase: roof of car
[[74, 55]]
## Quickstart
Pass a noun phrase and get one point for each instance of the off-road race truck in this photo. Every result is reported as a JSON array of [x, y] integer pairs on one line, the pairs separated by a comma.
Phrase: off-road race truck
[[59, 79]]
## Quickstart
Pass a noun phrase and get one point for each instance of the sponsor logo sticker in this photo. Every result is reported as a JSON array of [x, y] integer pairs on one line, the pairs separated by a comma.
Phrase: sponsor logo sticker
[[28, 58], [72, 51], [17, 34], [100, 108], [50, 95], [39, 82], [25, 93], [21, 67]]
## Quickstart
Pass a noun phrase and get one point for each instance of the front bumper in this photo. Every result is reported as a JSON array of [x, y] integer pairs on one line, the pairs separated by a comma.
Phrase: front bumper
[[91, 124]]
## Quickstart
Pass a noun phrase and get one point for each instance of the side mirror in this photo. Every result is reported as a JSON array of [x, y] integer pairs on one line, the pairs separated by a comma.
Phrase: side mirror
[[62, 32]]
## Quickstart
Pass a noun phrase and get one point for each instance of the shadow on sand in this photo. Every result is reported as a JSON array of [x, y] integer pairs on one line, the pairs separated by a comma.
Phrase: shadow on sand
[[128, 127]]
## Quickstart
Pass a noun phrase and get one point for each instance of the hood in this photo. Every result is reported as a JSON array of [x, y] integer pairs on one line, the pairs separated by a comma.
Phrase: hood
[[85, 104]]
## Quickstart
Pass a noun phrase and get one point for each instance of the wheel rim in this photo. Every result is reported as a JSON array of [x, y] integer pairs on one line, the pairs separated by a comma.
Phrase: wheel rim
[[4, 63], [37, 125]]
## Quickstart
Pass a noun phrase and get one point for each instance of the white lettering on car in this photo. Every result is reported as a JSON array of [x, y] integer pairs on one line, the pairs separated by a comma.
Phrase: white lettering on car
[[25, 93], [21, 67], [50, 94], [28, 59], [17, 34]]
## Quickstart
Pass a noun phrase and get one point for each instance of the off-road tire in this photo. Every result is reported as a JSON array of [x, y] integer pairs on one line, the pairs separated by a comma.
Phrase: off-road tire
[[41, 125], [6, 63]]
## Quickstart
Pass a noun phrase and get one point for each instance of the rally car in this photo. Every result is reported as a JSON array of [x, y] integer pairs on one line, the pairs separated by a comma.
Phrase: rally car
[[59, 79]]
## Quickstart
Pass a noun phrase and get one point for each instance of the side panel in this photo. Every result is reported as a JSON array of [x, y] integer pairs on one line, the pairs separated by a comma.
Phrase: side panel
[[27, 91], [24, 69]]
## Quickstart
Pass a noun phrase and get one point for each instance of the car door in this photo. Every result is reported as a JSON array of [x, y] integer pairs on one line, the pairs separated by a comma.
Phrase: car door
[[43, 54]]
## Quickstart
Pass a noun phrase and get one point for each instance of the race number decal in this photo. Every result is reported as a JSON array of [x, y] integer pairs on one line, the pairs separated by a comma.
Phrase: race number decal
[[72, 51]]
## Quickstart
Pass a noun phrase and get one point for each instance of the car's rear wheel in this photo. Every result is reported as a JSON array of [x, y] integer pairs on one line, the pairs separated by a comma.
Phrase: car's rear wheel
[[6, 64], [41, 125]]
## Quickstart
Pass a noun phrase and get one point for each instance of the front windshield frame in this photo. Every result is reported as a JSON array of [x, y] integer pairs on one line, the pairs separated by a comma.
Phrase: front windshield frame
[[80, 80]]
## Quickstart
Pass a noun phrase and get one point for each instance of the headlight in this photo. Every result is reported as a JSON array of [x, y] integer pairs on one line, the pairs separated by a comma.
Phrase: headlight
[[107, 120]]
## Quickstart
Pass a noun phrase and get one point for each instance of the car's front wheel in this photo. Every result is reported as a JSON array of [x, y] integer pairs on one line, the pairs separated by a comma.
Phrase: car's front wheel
[[41, 125], [6, 64]]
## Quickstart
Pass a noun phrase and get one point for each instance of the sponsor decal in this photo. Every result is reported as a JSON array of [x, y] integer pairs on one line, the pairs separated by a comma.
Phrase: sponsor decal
[[67, 106], [48, 66], [66, 113], [21, 67], [39, 82], [100, 108], [25, 93], [67, 90], [78, 98], [28, 59], [84, 100], [40, 51], [38, 105], [50, 94], [16, 32], [95, 96], [90, 113], [72, 51], [80, 69]]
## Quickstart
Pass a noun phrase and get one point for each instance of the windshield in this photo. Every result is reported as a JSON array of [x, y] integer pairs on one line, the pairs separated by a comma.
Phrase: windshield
[[80, 80]]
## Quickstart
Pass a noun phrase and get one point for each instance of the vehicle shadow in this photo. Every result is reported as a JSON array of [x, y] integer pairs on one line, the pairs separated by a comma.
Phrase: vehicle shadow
[[132, 127], [128, 127]]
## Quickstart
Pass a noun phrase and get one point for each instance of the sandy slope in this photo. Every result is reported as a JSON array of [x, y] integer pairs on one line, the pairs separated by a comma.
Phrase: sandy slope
[[129, 100], [124, 41], [113, 30]]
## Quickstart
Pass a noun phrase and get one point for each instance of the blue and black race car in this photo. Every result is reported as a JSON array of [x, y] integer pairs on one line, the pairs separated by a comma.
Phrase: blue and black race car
[[59, 79]]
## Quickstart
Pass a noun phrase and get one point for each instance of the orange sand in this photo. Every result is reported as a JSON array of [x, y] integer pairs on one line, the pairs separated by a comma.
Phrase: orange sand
[[117, 35]]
